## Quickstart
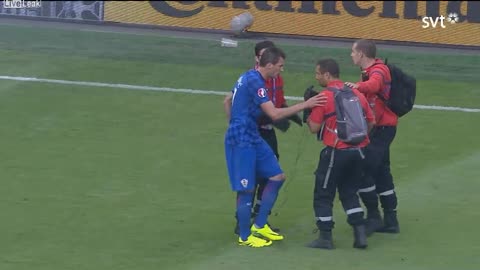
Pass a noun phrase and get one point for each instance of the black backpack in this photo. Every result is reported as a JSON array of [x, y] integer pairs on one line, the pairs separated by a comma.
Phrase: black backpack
[[351, 123], [403, 90]]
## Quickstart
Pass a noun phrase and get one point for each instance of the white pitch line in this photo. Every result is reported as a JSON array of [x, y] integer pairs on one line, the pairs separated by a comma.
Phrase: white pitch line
[[190, 91]]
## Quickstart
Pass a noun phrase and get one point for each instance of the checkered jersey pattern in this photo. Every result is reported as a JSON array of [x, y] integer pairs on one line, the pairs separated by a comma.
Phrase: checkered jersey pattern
[[248, 94]]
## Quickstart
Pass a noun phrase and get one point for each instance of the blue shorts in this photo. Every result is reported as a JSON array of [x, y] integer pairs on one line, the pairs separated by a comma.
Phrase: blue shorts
[[246, 163]]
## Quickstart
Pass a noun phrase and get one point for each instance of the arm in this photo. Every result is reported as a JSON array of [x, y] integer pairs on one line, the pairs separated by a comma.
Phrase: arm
[[294, 118], [279, 113], [315, 120], [314, 127], [369, 116], [282, 124], [374, 84], [227, 105]]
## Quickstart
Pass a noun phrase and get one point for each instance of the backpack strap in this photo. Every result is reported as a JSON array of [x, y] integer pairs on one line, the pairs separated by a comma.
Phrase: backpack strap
[[333, 89], [326, 116]]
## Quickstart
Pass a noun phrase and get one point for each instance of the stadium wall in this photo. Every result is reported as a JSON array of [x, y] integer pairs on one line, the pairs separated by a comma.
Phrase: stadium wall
[[389, 21], [79, 11]]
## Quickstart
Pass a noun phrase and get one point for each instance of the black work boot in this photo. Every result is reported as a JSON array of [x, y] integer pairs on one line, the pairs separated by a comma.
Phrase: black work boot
[[391, 222], [374, 221], [360, 235], [324, 241]]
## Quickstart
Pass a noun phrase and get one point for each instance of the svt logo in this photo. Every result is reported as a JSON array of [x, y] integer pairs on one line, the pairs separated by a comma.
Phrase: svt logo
[[432, 22]]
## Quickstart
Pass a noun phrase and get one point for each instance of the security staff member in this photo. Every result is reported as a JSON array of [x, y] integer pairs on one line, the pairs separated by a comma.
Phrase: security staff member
[[377, 177], [340, 164]]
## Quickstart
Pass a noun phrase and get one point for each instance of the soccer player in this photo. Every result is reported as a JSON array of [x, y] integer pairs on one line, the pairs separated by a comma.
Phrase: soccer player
[[248, 155], [275, 92]]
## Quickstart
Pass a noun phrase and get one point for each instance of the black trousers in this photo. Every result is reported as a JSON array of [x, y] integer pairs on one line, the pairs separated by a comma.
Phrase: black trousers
[[377, 180], [344, 174]]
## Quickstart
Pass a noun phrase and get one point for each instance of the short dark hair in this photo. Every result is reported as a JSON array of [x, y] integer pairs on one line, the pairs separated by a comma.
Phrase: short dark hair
[[263, 45], [367, 47], [271, 55], [329, 65]]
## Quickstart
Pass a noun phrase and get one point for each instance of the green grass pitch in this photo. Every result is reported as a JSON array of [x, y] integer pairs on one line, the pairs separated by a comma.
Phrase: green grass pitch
[[110, 179]]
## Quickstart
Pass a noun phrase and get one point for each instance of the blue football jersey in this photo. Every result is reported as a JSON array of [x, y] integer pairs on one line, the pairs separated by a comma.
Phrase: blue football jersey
[[248, 94]]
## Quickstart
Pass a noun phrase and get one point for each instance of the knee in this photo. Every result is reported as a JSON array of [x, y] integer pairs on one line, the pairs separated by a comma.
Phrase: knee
[[278, 177]]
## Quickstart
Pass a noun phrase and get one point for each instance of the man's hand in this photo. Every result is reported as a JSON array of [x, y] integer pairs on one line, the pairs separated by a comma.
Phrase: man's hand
[[296, 119], [282, 124], [317, 100], [307, 96], [351, 85]]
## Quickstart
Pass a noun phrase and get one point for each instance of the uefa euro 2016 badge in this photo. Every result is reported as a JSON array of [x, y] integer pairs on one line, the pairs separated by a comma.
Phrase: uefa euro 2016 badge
[[261, 92]]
